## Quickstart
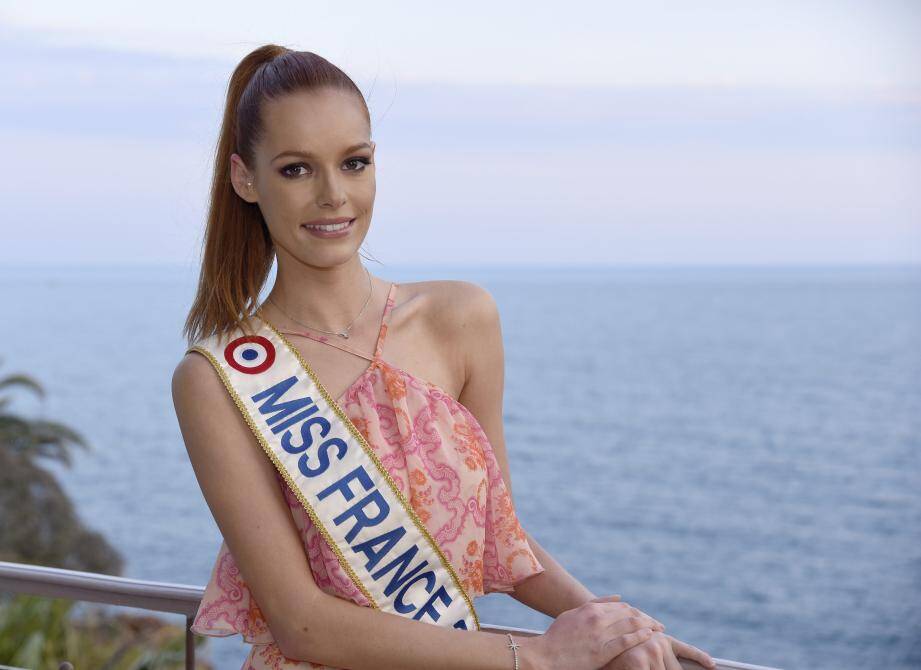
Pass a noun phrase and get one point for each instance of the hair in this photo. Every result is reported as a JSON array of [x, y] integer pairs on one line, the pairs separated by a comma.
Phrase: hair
[[237, 249]]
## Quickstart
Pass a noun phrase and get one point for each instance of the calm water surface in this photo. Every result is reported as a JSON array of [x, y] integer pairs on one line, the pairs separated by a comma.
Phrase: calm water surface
[[735, 451]]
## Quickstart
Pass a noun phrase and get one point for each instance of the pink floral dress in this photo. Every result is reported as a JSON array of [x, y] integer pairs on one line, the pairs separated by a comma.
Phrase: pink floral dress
[[441, 460]]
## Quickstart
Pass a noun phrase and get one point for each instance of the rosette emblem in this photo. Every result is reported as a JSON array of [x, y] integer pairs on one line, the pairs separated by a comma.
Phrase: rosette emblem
[[251, 354]]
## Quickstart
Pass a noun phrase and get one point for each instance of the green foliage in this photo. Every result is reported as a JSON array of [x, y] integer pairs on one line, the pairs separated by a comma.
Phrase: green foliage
[[38, 524], [41, 633], [34, 438]]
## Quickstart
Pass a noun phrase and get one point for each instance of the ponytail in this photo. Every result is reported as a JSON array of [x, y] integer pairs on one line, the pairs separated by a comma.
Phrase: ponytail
[[237, 249]]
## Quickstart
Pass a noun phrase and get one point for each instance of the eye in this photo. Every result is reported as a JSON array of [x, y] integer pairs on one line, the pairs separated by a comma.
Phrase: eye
[[359, 159], [285, 173], [289, 171]]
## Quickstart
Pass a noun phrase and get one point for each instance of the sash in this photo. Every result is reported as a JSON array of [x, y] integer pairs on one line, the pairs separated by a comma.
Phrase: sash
[[349, 495]]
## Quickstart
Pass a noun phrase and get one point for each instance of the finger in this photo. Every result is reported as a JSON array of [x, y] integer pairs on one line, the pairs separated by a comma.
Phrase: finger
[[615, 611], [685, 650], [658, 625], [628, 610], [628, 624], [623, 609], [668, 656], [655, 624], [618, 644], [671, 663]]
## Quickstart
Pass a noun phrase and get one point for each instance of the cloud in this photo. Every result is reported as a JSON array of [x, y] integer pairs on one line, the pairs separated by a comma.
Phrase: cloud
[[109, 148]]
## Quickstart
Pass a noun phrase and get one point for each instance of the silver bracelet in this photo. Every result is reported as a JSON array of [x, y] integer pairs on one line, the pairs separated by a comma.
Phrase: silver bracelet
[[514, 647]]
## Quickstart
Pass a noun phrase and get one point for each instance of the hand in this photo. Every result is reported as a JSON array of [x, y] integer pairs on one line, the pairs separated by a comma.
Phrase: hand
[[657, 625], [659, 652], [588, 636]]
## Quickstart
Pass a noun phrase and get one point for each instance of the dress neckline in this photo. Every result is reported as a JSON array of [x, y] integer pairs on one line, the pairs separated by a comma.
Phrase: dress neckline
[[340, 343], [471, 417], [380, 361], [376, 360]]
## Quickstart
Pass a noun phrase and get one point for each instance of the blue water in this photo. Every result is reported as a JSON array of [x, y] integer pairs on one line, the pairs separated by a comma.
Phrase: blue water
[[735, 451]]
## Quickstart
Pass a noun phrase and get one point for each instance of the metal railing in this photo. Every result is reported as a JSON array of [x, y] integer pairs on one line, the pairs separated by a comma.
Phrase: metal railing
[[178, 599]]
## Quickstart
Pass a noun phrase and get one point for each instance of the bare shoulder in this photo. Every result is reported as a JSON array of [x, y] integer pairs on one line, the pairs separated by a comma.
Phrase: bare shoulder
[[461, 321], [195, 383], [452, 305], [194, 372]]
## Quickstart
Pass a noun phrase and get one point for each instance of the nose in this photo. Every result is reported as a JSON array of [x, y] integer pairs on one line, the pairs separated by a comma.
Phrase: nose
[[330, 192]]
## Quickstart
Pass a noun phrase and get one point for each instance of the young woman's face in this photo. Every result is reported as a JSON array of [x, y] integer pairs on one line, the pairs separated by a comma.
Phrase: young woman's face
[[314, 161]]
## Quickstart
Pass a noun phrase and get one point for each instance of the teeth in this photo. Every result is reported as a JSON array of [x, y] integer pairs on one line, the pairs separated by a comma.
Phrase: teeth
[[331, 227]]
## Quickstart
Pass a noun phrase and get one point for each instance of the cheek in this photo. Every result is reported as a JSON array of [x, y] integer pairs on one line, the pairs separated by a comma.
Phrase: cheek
[[366, 190], [283, 204], [361, 197]]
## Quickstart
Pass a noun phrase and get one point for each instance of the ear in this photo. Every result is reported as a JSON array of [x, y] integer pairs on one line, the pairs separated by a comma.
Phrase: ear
[[241, 179]]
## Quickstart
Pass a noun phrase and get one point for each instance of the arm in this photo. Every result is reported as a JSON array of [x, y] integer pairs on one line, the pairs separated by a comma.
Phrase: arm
[[555, 590], [239, 485]]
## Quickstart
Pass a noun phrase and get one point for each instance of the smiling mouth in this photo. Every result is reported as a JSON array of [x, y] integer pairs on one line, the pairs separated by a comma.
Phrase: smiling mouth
[[331, 228]]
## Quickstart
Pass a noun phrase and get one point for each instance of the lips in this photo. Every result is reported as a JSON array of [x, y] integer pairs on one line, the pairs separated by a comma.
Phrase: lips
[[330, 230], [330, 227], [327, 222]]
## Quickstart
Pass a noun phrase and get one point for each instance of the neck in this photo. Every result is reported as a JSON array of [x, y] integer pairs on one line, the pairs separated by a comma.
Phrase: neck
[[323, 298]]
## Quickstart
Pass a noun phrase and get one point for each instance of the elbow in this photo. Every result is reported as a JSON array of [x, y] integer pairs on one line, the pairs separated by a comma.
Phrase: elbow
[[292, 641], [295, 635]]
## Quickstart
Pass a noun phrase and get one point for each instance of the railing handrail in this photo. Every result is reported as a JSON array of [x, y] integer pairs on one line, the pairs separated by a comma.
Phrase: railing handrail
[[182, 599], [91, 586]]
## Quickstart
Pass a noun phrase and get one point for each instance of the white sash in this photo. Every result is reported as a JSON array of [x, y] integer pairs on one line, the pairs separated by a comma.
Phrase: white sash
[[380, 541]]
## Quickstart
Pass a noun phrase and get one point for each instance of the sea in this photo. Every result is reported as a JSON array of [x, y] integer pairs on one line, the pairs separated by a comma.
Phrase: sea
[[735, 450]]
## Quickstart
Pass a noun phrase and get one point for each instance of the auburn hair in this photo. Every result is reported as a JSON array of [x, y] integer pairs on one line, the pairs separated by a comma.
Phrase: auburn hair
[[237, 251]]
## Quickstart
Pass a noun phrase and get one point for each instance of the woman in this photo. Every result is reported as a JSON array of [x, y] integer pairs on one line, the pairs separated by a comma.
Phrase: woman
[[295, 180]]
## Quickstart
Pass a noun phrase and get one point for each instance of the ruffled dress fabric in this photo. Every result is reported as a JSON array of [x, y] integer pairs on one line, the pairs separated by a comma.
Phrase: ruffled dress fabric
[[441, 460]]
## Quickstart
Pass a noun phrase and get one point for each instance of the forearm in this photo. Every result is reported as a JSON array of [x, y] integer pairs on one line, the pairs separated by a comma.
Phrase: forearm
[[553, 591], [346, 635]]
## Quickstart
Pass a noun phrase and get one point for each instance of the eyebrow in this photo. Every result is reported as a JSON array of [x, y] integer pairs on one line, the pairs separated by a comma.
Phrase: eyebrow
[[307, 154]]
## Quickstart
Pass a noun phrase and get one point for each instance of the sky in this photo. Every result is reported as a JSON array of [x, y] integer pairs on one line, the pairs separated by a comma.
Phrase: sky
[[663, 133]]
